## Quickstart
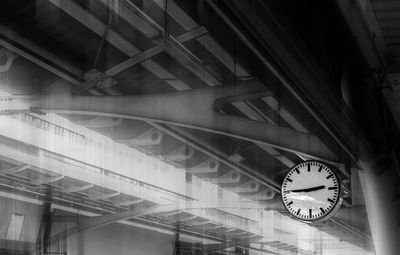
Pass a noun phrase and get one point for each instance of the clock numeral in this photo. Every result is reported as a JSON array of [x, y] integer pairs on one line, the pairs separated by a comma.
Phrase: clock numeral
[[320, 169], [291, 202], [330, 200], [332, 188], [329, 176], [322, 210], [288, 179], [310, 212], [297, 171], [309, 167], [298, 211]]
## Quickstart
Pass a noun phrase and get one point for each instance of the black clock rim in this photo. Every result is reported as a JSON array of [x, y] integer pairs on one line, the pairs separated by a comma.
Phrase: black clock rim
[[338, 200]]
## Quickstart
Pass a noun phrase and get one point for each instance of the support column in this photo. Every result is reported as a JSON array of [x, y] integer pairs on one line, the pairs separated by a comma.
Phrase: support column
[[382, 213]]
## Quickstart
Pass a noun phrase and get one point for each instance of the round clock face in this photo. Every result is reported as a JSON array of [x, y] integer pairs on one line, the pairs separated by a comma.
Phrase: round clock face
[[311, 191]]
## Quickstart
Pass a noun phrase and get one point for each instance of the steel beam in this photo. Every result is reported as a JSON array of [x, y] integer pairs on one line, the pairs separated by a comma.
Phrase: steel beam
[[191, 34], [254, 114], [147, 54], [129, 202], [141, 21], [188, 218], [137, 18], [38, 55], [39, 181], [78, 188], [136, 59], [182, 18], [170, 214], [240, 233], [192, 109], [164, 74], [179, 52], [103, 196], [98, 27], [231, 230], [95, 25], [202, 223], [14, 170], [284, 114]]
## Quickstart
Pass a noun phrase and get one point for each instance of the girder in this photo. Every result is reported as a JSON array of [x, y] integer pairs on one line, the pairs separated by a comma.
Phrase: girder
[[192, 109]]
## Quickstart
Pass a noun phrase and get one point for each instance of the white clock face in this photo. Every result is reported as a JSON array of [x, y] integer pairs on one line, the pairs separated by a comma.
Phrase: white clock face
[[311, 191]]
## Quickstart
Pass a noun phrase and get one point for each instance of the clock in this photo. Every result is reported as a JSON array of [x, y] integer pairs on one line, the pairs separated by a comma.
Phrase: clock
[[311, 191]]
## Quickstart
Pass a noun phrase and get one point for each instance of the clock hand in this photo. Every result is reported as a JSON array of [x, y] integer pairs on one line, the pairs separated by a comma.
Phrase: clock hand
[[308, 189]]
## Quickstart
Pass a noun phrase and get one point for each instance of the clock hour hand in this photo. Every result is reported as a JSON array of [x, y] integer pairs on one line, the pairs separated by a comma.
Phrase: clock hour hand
[[308, 189]]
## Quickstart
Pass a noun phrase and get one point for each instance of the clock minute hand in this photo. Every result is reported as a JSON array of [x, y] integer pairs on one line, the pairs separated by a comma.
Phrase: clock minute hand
[[308, 189]]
